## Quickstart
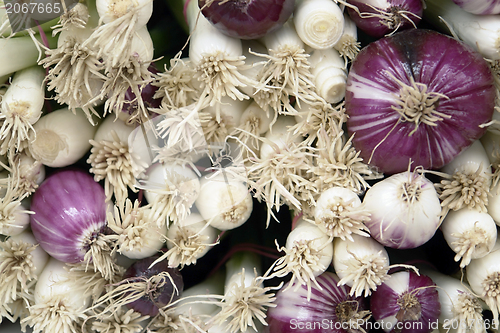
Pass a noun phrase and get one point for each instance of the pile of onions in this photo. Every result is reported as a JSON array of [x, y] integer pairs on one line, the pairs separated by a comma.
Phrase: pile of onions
[[417, 95]]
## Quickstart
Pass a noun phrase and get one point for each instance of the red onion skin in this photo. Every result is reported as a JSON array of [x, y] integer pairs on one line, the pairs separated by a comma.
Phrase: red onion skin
[[445, 66], [383, 303], [372, 25], [248, 19], [145, 305], [67, 205], [479, 7], [294, 312]]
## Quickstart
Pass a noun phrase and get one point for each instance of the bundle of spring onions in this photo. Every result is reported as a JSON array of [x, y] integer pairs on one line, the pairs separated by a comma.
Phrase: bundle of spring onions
[[266, 166]]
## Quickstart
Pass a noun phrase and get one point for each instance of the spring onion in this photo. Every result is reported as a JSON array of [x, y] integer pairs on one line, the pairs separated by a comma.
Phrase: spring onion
[[21, 107], [188, 240], [308, 253], [483, 275], [224, 202], [406, 100], [405, 210], [70, 220], [62, 138], [362, 264], [110, 159], [58, 305]]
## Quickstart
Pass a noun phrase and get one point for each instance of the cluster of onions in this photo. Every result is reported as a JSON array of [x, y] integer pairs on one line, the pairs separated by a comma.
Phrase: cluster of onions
[[276, 107]]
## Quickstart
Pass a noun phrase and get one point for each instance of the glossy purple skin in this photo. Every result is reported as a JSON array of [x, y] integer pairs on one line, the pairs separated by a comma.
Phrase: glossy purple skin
[[445, 66], [373, 26], [480, 7], [248, 19], [383, 303], [68, 205], [293, 312], [147, 305]]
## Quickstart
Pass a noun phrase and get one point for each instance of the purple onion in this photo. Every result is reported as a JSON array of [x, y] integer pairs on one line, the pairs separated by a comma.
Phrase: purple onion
[[328, 311], [459, 92], [150, 304], [412, 299], [70, 211], [378, 22], [247, 19], [479, 7]]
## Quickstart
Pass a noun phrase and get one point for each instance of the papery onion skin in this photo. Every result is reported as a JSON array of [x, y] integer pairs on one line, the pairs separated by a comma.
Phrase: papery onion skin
[[167, 294], [479, 7], [68, 206], [383, 302], [446, 66], [247, 19], [374, 27], [294, 313]]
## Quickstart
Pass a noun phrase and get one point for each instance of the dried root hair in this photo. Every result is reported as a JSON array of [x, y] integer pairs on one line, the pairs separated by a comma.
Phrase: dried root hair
[[242, 305], [24, 175], [101, 255], [175, 85], [76, 17], [120, 321], [286, 73], [282, 179], [129, 222], [112, 161], [16, 269], [113, 40], [339, 164], [463, 189], [319, 117], [182, 128], [187, 247], [54, 316], [91, 281], [9, 205]]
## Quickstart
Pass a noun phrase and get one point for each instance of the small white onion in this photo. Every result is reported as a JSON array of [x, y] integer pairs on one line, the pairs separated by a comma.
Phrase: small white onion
[[470, 233], [361, 264], [279, 135], [110, 10], [62, 138], [405, 210]]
